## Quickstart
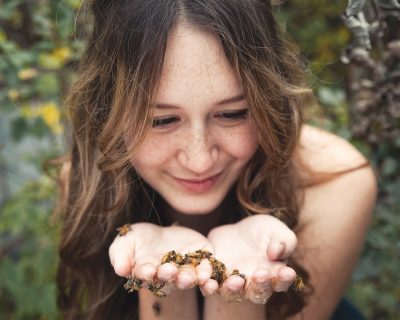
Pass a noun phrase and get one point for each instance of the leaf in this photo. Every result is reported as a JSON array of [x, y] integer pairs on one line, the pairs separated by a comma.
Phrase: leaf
[[47, 85], [19, 128]]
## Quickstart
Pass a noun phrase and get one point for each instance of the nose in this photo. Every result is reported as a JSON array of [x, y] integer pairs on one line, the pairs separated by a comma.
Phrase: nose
[[199, 152]]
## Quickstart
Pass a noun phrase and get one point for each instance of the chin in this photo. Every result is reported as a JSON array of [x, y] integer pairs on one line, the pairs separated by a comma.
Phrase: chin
[[193, 209]]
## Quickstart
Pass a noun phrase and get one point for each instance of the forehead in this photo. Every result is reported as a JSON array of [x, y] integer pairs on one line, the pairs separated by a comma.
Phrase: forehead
[[195, 68]]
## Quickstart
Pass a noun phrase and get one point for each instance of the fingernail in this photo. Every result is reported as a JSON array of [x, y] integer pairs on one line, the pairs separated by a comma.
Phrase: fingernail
[[277, 249], [281, 249]]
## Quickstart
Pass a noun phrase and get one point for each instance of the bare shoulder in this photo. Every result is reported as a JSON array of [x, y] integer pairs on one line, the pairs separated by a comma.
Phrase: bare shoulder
[[325, 152], [334, 217]]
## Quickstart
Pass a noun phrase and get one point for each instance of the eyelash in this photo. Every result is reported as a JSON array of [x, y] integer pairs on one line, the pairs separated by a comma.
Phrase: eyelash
[[234, 115], [227, 116], [162, 122]]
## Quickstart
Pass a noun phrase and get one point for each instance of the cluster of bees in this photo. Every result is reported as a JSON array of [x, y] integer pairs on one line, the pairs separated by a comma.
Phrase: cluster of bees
[[192, 258], [218, 273]]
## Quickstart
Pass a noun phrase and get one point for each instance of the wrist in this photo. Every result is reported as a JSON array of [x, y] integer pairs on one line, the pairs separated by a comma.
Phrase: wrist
[[215, 307], [178, 305]]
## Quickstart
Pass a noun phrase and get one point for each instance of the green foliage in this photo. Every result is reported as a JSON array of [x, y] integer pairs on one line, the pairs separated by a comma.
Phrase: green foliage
[[322, 38], [27, 289], [38, 54], [317, 28]]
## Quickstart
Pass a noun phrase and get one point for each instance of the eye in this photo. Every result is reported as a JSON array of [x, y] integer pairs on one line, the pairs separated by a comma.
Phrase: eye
[[164, 122], [233, 115]]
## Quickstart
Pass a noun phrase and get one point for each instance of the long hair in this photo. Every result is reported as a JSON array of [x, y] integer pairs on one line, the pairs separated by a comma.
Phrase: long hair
[[113, 98]]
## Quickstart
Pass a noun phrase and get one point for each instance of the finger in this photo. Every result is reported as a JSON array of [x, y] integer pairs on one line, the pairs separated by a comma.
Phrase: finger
[[122, 264], [281, 248], [121, 254], [260, 287], [234, 283], [276, 250], [187, 277], [167, 272], [145, 271], [209, 288], [284, 279], [204, 271], [232, 288]]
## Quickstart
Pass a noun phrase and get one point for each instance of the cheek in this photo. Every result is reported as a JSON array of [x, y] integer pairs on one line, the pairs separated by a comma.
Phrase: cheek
[[153, 153], [242, 143]]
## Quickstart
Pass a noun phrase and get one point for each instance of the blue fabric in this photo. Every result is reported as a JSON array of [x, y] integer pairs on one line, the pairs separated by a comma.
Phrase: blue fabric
[[346, 311]]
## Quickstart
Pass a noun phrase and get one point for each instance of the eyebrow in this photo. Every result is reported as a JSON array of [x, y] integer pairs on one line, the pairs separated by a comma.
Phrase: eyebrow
[[237, 98]]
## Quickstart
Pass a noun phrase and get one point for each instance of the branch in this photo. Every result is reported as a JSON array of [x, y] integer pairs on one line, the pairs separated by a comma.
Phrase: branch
[[354, 19], [389, 4]]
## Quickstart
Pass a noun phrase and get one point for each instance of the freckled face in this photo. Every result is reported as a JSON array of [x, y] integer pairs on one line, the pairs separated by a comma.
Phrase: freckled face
[[202, 136]]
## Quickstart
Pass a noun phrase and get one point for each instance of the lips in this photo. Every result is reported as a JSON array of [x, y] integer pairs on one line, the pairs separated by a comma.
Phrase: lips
[[198, 185]]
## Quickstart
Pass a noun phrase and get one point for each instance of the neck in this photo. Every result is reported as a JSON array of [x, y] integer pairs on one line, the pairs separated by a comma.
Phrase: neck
[[227, 212], [202, 223]]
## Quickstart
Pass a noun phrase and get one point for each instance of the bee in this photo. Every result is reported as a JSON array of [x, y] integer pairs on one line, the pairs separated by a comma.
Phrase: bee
[[168, 257], [172, 256], [179, 259], [204, 254], [236, 272], [155, 288], [124, 229], [133, 284], [193, 258], [298, 284], [218, 270]]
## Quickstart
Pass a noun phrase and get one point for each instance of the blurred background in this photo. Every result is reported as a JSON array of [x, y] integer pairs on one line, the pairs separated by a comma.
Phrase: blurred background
[[40, 44]]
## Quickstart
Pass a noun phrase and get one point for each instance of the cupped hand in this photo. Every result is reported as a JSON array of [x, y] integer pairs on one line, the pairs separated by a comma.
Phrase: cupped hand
[[257, 247], [139, 251]]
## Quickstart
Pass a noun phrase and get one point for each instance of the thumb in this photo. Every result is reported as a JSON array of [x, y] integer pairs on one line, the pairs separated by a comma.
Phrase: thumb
[[121, 256]]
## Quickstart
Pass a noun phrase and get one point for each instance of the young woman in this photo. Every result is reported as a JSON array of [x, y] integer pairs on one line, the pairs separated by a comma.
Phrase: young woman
[[187, 126]]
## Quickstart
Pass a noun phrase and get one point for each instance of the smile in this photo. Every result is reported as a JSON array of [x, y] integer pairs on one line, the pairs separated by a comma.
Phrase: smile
[[198, 185]]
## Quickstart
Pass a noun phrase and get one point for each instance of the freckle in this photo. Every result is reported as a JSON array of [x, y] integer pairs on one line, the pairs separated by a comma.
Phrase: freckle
[[156, 309]]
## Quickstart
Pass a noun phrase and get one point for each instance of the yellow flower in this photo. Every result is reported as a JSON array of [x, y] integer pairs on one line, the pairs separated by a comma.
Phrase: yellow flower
[[26, 74], [51, 116], [48, 111], [13, 94], [55, 59], [61, 54]]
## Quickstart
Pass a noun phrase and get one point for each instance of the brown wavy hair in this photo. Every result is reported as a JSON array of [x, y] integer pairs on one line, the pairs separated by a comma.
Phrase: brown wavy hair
[[113, 98]]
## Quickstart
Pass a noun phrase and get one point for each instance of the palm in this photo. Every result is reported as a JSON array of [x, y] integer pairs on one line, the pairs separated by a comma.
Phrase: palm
[[152, 241], [241, 251], [139, 253], [251, 246], [244, 245], [256, 246]]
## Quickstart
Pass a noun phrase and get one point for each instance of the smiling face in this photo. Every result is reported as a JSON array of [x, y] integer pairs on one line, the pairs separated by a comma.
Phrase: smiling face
[[202, 136]]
